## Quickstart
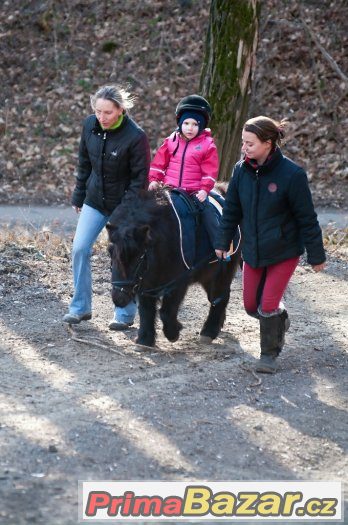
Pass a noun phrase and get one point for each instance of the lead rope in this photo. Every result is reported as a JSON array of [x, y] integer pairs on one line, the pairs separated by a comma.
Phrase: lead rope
[[221, 267]]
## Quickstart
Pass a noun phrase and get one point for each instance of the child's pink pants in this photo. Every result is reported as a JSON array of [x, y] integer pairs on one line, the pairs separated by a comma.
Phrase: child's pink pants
[[265, 287]]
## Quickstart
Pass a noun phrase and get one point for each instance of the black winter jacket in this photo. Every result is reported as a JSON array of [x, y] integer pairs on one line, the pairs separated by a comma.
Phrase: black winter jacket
[[111, 163], [273, 205]]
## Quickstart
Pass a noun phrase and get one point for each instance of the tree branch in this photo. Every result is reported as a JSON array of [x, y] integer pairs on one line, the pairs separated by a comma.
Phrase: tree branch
[[328, 57], [92, 342]]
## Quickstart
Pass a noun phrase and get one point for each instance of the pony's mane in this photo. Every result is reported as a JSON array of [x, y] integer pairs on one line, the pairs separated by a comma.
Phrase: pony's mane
[[143, 207]]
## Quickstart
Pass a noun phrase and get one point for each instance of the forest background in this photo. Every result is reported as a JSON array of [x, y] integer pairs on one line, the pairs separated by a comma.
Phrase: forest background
[[89, 404], [55, 54]]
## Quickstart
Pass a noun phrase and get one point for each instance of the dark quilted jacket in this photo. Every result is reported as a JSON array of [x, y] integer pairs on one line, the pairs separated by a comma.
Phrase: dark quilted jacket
[[110, 164], [274, 207]]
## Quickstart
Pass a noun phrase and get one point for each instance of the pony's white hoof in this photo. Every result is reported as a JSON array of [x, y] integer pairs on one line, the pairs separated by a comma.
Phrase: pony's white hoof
[[205, 339]]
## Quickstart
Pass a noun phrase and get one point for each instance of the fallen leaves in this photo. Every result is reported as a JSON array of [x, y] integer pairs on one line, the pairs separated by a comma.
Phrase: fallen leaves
[[55, 58]]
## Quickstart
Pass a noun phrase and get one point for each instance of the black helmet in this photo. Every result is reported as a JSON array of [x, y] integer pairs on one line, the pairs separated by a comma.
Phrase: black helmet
[[194, 103]]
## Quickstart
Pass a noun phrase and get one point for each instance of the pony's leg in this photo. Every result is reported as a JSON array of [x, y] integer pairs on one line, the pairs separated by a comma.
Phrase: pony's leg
[[169, 313], [147, 315], [214, 321], [218, 292]]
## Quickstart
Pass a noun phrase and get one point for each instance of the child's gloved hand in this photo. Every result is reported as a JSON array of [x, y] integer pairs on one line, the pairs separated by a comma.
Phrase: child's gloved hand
[[154, 185], [201, 195], [222, 255]]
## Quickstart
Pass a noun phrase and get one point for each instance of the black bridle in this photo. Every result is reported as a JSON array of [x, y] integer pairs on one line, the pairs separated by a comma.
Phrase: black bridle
[[135, 283]]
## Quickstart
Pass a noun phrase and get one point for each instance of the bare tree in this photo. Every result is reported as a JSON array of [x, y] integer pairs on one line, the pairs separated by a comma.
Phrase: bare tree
[[226, 74]]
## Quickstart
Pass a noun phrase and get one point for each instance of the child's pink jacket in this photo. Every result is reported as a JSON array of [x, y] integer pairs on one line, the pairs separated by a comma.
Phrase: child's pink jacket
[[192, 166]]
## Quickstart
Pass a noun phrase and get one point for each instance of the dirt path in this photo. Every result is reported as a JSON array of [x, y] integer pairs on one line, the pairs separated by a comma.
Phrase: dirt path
[[63, 219], [71, 411]]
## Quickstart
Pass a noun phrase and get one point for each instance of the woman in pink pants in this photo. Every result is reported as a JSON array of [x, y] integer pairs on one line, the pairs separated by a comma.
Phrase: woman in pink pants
[[269, 197]]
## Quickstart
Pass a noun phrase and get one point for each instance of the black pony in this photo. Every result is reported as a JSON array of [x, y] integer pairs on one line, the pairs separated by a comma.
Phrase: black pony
[[147, 262]]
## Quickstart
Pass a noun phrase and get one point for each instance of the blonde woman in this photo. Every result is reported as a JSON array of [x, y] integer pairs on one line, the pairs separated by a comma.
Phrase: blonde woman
[[114, 157]]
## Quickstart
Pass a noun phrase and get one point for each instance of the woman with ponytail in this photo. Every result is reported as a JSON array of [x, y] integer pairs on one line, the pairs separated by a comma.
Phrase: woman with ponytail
[[269, 196]]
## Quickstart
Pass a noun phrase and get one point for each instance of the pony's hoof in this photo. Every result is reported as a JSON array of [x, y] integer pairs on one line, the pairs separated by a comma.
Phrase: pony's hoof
[[172, 335], [205, 339], [173, 339], [145, 344]]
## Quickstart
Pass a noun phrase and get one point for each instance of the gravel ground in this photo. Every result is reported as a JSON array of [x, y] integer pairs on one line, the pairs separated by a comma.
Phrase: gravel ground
[[90, 404]]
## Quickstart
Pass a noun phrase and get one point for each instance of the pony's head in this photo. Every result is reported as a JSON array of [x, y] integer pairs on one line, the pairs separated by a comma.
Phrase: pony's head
[[131, 236], [128, 251], [144, 244]]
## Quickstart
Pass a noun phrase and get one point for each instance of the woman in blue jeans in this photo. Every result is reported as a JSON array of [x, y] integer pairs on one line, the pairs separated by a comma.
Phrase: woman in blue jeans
[[114, 158]]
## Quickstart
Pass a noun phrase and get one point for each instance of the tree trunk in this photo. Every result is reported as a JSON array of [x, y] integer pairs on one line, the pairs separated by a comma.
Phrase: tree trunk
[[226, 73]]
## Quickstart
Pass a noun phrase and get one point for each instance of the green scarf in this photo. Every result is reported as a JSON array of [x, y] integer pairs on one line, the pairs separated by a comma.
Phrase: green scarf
[[117, 123]]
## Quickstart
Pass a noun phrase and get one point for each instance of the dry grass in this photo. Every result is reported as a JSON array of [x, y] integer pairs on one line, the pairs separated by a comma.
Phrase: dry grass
[[336, 241], [42, 243], [48, 245]]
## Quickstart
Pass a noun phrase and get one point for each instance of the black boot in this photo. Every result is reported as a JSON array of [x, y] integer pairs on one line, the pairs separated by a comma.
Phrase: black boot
[[285, 317], [272, 338], [255, 315]]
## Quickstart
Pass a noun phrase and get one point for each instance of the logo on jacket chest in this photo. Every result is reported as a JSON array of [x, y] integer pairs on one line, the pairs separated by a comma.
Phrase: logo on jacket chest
[[114, 153], [272, 187], [199, 147]]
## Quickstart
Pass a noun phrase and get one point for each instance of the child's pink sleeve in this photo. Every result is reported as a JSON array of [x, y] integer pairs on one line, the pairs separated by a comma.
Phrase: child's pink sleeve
[[159, 164], [210, 168]]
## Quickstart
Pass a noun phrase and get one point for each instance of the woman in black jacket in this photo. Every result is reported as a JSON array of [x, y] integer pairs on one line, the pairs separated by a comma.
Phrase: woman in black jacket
[[114, 158], [269, 197]]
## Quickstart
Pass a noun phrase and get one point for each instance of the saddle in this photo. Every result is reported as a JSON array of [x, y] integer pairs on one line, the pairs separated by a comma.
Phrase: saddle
[[195, 245]]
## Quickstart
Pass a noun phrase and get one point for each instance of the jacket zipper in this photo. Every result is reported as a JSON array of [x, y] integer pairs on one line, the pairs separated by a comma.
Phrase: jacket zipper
[[102, 166], [182, 164], [256, 210]]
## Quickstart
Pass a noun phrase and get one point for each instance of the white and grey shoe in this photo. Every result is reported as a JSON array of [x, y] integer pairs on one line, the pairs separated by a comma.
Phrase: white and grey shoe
[[119, 326], [76, 318]]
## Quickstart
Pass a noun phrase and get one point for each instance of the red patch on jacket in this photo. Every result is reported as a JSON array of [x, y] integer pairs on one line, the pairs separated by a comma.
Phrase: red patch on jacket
[[272, 187]]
